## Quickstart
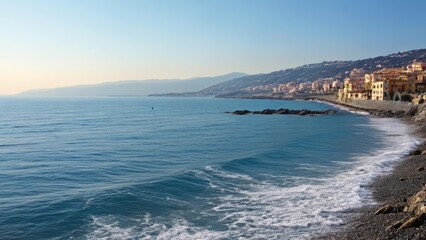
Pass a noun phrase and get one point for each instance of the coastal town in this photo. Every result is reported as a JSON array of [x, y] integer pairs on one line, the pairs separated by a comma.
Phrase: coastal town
[[396, 84], [407, 83]]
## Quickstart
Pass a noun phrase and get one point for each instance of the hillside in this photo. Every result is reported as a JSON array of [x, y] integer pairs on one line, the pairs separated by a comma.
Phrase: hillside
[[311, 72], [134, 87]]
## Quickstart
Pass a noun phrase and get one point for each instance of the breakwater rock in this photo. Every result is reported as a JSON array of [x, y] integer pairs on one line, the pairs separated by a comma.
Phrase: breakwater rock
[[381, 113], [418, 112], [302, 112]]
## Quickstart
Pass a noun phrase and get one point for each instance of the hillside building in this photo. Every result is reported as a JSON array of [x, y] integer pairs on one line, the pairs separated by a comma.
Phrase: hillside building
[[353, 89], [388, 84]]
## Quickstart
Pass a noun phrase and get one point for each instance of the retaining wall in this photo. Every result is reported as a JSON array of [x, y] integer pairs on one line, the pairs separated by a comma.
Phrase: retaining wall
[[369, 104]]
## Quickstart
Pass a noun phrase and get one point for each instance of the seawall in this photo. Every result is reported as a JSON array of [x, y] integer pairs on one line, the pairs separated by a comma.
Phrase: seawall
[[368, 104]]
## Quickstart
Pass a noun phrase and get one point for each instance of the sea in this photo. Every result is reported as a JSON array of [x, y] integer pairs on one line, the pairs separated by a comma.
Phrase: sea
[[183, 168]]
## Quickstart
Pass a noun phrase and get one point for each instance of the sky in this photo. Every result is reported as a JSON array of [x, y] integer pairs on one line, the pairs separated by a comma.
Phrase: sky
[[47, 44]]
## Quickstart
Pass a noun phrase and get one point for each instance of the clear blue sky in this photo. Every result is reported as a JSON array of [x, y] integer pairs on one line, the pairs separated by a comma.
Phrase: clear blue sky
[[58, 43]]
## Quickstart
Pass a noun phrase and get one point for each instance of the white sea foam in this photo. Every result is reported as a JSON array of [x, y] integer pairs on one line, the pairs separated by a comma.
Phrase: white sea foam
[[359, 112], [314, 207], [105, 229], [109, 228], [262, 210]]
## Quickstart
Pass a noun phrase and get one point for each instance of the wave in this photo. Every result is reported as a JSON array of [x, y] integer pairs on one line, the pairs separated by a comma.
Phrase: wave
[[180, 229], [273, 212], [248, 208]]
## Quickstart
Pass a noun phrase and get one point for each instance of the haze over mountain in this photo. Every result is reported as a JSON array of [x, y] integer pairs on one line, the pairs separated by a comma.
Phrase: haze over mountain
[[134, 87], [234, 84], [311, 72]]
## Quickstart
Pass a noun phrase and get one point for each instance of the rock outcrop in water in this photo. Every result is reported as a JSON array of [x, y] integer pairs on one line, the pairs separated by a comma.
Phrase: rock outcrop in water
[[302, 112]]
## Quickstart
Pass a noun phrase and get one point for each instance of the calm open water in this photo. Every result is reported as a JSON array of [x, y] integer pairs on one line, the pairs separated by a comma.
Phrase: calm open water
[[114, 168]]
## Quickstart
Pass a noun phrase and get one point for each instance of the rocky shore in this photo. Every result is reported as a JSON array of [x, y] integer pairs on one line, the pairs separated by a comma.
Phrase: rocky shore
[[401, 195]]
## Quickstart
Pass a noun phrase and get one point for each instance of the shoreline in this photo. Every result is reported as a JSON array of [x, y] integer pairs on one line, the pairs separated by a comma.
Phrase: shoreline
[[394, 188]]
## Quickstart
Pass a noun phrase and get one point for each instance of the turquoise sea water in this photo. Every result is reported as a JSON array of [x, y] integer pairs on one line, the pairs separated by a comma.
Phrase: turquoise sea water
[[114, 168]]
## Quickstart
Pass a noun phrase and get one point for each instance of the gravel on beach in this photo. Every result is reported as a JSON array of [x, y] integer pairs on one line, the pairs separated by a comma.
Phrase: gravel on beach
[[407, 178]]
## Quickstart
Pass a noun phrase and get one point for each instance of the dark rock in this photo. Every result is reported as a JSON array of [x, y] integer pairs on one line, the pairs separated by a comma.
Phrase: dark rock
[[267, 111], [395, 225], [330, 111], [402, 179], [416, 152], [420, 169], [412, 110], [412, 222], [420, 115], [388, 209], [284, 111], [241, 112], [381, 113], [302, 112]]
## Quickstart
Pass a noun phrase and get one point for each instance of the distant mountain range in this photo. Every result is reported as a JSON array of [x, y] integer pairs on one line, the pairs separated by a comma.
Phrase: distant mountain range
[[311, 72], [134, 87], [233, 84]]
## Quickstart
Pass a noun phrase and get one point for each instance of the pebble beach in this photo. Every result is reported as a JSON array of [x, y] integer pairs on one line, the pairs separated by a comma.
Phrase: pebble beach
[[393, 192]]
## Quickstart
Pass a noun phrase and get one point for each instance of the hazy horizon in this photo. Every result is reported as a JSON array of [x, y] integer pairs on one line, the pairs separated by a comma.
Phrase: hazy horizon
[[65, 43], [140, 80], [132, 87]]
